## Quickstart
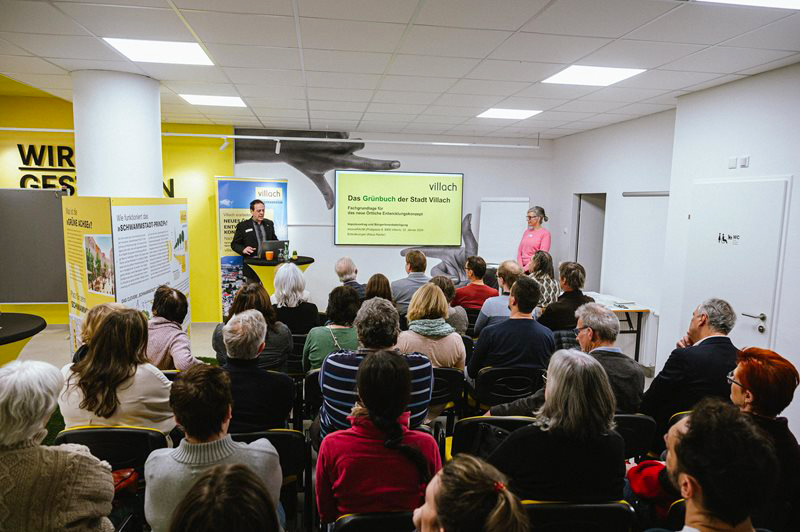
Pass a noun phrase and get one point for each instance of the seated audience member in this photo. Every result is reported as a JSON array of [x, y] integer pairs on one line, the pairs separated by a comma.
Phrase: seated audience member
[[542, 272], [377, 326], [495, 309], [722, 465], [201, 399], [762, 385], [339, 334], [261, 399], [43, 487], [378, 286], [697, 368], [91, 323], [291, 298], [598, 328], [226, 497], [428, 333], [571, 452], [560, 315], [475, 292], [469, 494], [114, 384], [278, 342], [347, 272], [456, 315], [377, 465], [168, 345], [403, 289], [518, 341]]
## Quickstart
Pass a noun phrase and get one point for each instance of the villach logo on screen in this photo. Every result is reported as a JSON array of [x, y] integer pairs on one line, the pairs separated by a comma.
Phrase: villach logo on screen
[[270, 194]]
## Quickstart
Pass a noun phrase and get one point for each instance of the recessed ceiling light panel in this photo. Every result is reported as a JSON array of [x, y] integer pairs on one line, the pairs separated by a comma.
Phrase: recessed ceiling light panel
[[177, 53], [508, 114], [781, 4], [222, 101], [592, 75]]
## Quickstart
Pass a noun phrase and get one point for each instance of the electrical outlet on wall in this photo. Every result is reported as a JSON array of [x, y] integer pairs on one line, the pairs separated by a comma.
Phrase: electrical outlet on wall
[[744, 162], [732, 163]]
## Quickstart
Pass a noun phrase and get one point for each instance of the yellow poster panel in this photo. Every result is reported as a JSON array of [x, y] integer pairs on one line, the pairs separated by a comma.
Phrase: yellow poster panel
[[89, 255]]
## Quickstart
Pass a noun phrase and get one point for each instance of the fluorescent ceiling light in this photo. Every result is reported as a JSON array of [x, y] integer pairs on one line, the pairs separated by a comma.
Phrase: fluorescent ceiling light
[[781, 4], [178, 53], [508, 114], [222, 101], [592, 75]]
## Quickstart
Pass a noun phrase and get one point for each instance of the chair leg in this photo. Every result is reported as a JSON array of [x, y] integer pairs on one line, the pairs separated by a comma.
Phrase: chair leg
[[297, 409], [309, 500]]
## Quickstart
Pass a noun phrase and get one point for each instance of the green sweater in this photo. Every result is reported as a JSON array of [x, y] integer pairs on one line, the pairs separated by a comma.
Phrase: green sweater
[[319, 344]]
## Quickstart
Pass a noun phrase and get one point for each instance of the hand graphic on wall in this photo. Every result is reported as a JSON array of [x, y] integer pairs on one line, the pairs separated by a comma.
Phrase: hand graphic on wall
[[311, 158], [453, 258]]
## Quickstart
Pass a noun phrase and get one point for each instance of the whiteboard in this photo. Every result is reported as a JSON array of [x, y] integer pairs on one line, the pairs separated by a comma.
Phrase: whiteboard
[[502, 225]]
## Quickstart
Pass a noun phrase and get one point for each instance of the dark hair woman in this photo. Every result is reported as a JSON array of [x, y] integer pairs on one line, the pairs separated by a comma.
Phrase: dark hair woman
[[338, 334], [378, 286], [278, 341], [378, 455], [168, 345], [106, 387], [543, 273]]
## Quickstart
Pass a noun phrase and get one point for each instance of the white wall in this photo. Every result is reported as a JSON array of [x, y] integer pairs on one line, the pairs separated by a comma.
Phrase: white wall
[[629, 156], [756, 116], [487, 172]]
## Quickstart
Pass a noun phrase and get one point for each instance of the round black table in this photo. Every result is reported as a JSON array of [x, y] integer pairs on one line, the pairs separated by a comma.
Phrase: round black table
[[15, 331], [265, 269]]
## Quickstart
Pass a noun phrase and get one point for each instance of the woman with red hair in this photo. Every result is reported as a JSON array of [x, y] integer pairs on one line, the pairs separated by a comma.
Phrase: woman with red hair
[[763, 384]]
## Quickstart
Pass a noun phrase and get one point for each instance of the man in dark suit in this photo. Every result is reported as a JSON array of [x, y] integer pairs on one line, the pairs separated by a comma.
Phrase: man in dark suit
[[697, 368], [250, 235]]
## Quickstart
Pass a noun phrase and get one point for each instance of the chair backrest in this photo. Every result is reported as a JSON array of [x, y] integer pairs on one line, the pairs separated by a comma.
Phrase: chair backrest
[[469, 346], [637, 430], [384, 521], [677, 416], [566, 339], [448, 386], [291, 446], [467, 429], [312, 393], [472, 317], [617, 516], [120, 446], [496, 386], [171, 374], [294, 364]]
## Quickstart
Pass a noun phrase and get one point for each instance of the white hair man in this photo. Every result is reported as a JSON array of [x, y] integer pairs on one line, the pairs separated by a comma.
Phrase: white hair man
[[697, 368], [347, 271]]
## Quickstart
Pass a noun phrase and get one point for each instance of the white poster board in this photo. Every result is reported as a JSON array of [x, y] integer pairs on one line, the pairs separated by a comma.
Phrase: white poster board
[[502, 224]]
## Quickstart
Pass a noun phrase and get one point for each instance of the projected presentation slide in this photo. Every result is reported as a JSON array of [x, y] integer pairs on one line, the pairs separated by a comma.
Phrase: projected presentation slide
[[398, 209]]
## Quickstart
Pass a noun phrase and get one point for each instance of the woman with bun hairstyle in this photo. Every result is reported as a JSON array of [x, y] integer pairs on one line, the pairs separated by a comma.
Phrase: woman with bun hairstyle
[[377, 465], [534, 238], [469, 495]]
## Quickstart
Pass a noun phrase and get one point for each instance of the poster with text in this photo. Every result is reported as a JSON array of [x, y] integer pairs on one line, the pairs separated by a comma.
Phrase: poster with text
[[233, 203], [150, 249]]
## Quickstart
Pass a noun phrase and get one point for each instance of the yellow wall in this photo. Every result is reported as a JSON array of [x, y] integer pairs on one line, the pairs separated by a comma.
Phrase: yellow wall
[[191, 162]]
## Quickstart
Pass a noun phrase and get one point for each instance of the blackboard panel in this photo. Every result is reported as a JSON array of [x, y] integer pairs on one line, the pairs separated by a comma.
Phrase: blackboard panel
[[32, 268]]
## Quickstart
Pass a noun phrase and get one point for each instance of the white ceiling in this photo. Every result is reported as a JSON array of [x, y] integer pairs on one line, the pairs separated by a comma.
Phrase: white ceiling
[[405, 66]]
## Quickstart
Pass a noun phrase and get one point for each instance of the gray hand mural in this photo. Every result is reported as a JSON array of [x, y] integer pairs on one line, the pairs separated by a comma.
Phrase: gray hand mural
[[311, 158], [453, 258]]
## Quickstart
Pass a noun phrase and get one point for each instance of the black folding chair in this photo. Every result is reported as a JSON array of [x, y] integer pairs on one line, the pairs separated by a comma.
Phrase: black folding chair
[[171, 374], [544, 516], [472, 317], [497, 386], [467, 431], [313, 394], [294, 452], [637, 430], [469, 346], [384, 521], [448, 390], [294, 368]]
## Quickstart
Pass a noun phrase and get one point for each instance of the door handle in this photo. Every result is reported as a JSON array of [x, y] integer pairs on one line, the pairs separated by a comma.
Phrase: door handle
[[762, 316]]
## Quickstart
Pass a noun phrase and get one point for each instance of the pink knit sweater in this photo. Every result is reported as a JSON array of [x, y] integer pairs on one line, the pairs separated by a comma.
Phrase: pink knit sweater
[[168, 345], [533, 240]]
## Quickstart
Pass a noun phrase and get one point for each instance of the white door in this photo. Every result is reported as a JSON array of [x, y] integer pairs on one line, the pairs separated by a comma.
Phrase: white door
[[591, 227], [736, 233]]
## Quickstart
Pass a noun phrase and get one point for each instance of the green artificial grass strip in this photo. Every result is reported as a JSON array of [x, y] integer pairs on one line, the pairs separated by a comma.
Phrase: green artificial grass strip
[[209, 360], [54, 426]]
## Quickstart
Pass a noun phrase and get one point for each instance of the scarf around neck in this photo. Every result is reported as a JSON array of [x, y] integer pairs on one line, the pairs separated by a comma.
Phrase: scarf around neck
[[436, 328]]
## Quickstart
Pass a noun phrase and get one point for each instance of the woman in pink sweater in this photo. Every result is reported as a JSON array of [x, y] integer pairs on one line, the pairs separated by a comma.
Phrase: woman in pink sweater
[[535, 237]]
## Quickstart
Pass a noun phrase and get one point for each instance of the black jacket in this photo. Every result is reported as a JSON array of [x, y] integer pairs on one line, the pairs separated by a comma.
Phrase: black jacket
[[245, 235], [690, 374], [261, 399], [561, 314]]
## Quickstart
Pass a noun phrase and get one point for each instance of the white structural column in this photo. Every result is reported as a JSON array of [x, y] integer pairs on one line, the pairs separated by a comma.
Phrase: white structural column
[[117, 134]]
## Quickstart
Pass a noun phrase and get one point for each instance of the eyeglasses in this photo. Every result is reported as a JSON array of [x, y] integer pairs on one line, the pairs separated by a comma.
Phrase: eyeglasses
[[578, 330], [731, 380], [531, 217]]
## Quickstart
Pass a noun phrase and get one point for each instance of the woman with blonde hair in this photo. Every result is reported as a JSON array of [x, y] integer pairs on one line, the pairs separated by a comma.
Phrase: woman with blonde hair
[[114, 384], [469, 495], [571, 451], [429, 333], [91, 323], [291, 300]]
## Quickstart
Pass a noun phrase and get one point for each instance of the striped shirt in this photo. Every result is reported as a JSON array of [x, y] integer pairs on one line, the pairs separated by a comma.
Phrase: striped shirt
[[337, 380]]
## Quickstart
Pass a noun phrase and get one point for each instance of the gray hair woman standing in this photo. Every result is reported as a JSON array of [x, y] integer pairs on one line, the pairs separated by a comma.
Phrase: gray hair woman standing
[[45, 487], [570, 452], [534, 238]]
